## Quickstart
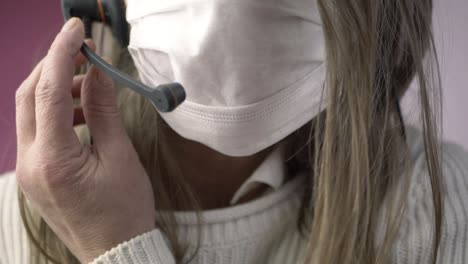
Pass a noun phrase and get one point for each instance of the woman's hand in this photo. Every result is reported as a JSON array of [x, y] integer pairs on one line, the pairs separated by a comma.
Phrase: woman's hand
[[93, 197]]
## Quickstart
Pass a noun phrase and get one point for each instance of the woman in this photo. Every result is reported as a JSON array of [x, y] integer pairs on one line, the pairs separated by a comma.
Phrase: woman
[[341, 180]]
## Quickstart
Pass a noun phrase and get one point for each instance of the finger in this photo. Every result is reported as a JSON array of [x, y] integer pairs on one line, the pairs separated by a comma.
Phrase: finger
[[77, 82], [78, 116], [54, 103], [80, 58], [99, 103], [25, 107]]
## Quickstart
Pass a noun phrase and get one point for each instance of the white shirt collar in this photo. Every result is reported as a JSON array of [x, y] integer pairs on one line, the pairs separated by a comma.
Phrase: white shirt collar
[[270, 172]]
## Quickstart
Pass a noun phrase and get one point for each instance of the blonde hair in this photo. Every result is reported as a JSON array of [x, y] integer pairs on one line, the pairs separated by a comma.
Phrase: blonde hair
[[356, 150]]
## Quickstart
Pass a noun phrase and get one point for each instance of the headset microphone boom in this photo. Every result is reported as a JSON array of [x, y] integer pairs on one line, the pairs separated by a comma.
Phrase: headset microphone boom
[[165, 97]]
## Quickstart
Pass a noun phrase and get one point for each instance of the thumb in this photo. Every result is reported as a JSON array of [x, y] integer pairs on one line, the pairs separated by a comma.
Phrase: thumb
[[99, 103]]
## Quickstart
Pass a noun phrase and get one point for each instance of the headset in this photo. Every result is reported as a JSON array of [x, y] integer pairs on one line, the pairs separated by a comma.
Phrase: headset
[[165, 97]]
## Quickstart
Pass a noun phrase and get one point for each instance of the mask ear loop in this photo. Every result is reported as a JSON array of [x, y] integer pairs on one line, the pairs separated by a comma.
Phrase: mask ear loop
[[400, 115], [100, 48]]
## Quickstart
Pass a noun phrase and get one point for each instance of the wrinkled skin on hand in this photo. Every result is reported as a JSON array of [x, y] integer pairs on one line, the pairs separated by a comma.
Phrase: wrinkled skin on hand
[[93, 197]]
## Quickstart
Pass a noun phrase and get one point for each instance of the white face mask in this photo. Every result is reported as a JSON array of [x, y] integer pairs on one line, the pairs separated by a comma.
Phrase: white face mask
[[253, 70]]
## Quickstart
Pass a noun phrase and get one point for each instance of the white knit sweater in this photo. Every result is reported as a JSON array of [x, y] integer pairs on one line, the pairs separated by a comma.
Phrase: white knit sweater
[[264, 230]]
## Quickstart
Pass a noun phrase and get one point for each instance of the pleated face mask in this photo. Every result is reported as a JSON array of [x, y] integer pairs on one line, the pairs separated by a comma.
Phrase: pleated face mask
[[253, 70]]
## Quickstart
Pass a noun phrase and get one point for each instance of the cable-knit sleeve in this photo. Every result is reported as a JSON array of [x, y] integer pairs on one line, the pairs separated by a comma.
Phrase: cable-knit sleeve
[[147, 248], [14, 246], [3, 214], [416, 231], [150, 247]]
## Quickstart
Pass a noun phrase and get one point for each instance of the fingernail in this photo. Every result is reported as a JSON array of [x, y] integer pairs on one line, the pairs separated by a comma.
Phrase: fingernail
[[71, 24]]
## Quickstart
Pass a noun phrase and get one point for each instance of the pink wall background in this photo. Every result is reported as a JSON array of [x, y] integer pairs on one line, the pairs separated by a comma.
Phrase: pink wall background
[[451, 33], [26, 30], [28, 27]]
